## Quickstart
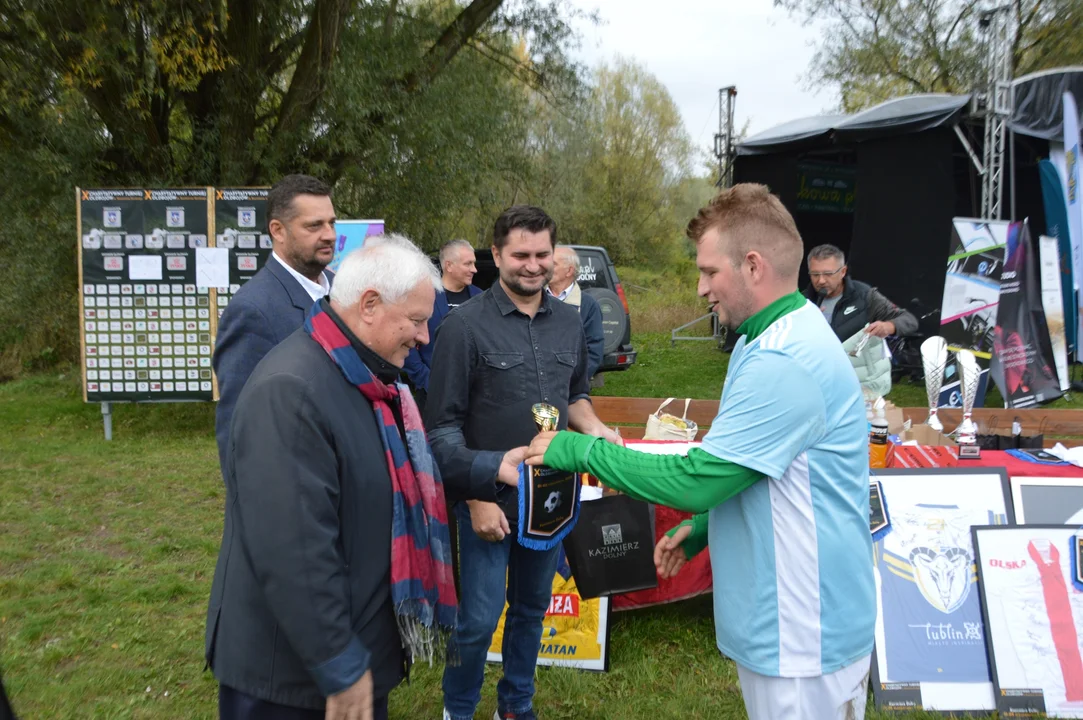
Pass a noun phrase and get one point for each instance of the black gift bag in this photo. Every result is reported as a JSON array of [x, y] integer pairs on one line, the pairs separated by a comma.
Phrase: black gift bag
[[611, 548]]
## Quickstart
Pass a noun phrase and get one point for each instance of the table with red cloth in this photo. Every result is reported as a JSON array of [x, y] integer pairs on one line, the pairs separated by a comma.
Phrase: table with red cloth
[[695, 577], [946, 456]]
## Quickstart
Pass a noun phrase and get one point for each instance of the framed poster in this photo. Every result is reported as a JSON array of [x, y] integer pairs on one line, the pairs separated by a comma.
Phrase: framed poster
[[1034, 619], [1048, 500], [351, 236], [930, 647], [575, 632], [147, 322], [240, 219]]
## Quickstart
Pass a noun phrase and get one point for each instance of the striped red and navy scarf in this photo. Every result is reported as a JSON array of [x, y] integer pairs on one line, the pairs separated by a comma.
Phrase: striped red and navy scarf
[[422, 586]]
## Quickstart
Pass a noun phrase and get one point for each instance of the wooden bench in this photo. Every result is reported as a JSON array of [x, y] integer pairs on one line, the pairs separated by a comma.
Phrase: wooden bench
[[630, 415]]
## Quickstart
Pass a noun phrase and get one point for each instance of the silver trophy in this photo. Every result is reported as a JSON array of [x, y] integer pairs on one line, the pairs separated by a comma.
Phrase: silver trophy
[[934, 359], [859, 347], [969, 375]]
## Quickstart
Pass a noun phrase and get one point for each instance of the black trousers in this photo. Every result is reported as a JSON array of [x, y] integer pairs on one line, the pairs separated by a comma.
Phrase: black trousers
[[236, 705]]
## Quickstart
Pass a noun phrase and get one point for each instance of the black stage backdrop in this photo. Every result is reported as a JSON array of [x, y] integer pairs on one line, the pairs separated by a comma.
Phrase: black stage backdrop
[[902, 223]]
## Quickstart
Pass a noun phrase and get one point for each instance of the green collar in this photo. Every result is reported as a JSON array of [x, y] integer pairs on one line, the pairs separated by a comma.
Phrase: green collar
[[755, 325]]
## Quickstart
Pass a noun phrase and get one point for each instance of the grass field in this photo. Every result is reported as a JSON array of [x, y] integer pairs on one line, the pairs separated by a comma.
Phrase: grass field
[[108, 549]]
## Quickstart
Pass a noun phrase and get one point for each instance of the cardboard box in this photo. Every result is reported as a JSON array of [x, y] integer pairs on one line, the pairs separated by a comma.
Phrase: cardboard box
[[894, 416], [925, 435]]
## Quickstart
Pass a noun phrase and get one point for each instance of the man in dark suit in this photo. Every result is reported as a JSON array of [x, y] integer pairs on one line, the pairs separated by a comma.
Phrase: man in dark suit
[[458, 265], [270, 306], [303, 621]]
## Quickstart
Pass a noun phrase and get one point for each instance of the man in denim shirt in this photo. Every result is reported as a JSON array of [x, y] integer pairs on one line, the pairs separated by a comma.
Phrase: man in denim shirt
[[494, 357]]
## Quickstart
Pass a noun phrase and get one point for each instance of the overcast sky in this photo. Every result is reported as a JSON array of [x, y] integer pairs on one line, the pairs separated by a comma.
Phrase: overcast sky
[[695, 47]]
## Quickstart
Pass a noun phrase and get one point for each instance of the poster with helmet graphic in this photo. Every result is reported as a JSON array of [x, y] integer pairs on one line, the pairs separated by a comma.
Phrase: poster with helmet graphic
[[930, 647], [575, 632]]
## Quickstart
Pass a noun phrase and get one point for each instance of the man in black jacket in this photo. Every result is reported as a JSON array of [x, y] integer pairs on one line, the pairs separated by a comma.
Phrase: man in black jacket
[[301, 623], [848, 304], [511, 347]]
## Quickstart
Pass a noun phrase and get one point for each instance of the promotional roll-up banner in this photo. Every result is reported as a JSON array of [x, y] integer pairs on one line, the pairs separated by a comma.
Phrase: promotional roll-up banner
[[1072, 199], [575, 631], [1056, 225], [1022, 366], [972, 285], [1052, 302]]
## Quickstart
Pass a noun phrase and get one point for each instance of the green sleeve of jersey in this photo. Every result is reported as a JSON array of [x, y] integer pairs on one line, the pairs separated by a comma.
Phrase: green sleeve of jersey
[[696, 542], [693, 483]]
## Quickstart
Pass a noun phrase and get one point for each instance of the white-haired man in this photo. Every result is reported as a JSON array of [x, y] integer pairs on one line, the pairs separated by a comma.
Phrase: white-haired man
[[565, 287], [458, 265], [335, 531]]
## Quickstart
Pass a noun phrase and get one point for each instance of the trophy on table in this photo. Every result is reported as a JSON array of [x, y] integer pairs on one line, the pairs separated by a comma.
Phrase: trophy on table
[[966, 435], [934, 360], [548, 498]]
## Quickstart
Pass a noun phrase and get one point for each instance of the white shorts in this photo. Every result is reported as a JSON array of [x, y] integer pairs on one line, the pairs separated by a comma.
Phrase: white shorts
[[838, 696]]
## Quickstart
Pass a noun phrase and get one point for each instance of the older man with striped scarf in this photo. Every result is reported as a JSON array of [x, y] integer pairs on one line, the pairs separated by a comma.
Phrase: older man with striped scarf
[[335, 567]]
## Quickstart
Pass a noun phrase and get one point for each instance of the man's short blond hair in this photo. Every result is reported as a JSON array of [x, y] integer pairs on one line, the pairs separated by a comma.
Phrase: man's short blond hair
[[753, 219]]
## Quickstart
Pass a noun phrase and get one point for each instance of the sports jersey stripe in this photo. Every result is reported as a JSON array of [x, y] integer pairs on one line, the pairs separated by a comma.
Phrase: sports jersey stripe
[[775, 335], [797, 570], [784, 331]]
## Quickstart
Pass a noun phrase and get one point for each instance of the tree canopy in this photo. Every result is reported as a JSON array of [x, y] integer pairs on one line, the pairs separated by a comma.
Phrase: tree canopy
[[236, 91], [434, 115], [874, 50]]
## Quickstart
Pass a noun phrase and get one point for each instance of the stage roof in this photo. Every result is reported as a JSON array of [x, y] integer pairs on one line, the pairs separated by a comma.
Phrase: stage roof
[[1039, 105], [913, 113], [1038, 111]]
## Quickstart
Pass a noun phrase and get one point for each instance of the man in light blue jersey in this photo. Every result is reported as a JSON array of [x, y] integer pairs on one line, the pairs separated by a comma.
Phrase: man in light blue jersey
[[781, 483]]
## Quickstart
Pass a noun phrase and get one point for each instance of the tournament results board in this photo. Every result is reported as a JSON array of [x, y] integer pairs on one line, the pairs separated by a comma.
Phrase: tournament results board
[[147, 324], [240, 216]]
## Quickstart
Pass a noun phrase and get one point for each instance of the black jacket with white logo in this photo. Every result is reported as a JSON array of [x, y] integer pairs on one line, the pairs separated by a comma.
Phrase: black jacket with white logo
[[861, 304]]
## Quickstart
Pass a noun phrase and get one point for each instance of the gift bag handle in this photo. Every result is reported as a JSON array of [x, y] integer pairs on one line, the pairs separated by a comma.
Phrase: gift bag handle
[[667, 401], [664, 404]]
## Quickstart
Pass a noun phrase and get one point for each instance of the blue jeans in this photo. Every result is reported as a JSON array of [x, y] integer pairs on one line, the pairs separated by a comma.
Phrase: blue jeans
[[483, 568]]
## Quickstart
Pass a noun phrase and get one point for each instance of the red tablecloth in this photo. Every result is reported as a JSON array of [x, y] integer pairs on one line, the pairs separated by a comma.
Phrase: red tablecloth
[[693, 579], [925, 456]]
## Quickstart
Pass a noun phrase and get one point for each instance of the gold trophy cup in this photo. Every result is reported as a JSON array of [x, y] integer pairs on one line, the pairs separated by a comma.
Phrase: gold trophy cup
[[550, 497], [546, 417]]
